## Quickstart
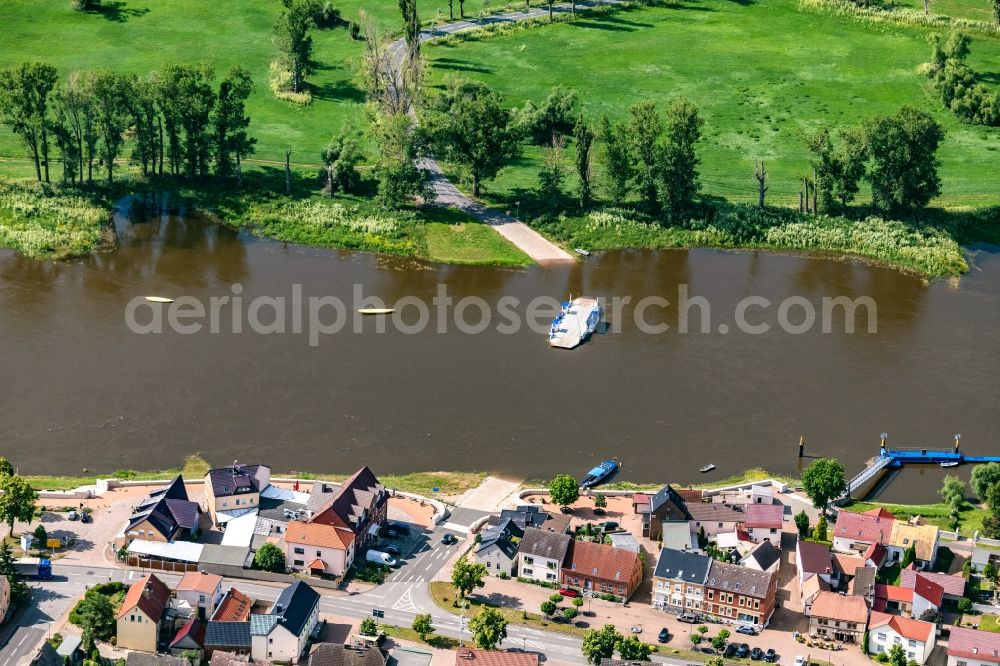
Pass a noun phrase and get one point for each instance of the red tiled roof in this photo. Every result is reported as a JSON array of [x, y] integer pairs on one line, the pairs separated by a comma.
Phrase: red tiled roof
[[197, 581], [840, 607], [764, 515], [865, 527], [847, 564], [601, 561], [149, 594], [917, 630], [876, 553], [893, 593], [195, 629], [319, 534], [813, 558], [953, 585], [467, 656], [973, 644], [317, 564], [234, 607], [929, 590]]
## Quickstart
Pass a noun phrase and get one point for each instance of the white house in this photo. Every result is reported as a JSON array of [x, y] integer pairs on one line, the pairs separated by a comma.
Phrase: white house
[[764, 521], [201, 592], [764, 557], [318, 548], [713, 518], [498, 547], [915, 636], [969, 647], [541, 554], [282, 633], [679, 581]]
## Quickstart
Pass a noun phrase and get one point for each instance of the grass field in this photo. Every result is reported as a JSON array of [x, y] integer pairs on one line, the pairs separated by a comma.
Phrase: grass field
[[761, 72], [452, 239]]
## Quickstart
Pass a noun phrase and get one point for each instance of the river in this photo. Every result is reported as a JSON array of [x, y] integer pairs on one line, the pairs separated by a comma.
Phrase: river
[[81, 390]]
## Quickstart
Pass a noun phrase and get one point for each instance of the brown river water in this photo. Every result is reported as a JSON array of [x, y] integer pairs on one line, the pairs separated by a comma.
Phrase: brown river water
[[81, 390]]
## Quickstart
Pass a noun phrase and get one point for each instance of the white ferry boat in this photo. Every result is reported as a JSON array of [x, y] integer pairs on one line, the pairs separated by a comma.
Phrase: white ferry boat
[[575, 322]]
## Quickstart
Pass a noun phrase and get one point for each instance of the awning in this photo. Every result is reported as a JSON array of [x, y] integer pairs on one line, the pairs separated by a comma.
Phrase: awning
[[317, 564], [373, 529]]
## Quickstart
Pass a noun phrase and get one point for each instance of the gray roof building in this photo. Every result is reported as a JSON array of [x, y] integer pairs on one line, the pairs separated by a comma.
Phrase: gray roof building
[[332, 654], [543, 543], [227, 634], [506, 536], [682, 566], [734, 578]]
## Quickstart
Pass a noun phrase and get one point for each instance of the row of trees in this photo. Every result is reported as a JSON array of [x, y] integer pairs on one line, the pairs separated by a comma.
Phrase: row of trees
[[986, 485], [175, 118], [957, 84]]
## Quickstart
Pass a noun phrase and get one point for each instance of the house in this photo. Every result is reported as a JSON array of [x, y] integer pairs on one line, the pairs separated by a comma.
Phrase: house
[[189, 638], [337, 530], [665, 506], [813, 559], [221, 658], [876, 555], [953, 587], [471, 657], [532, 516], [924, 595], [858, 531], [141, 614], [600, 569], [839, 617], [809, 589], [164, 516], [970, 647], [737, 542], [764, 557], [234, 490], [741, 594], [332, 654], [678, 536], [199, 591], [761, 494], [319, 548], [541, 554], [863, 584], [922, 538], [916, 637], [679, 580], [497, 548], [234, 607], [714, 518], [763, 522], [228, 637], [282, 633]]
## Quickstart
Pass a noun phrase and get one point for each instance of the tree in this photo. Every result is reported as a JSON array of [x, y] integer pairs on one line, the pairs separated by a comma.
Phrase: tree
[[489, 628], [904, 163], [144, 123], [820, 531], [678, 162], [18, 588], [230, 123], [583, 134], [112, 93], [600, 501], [615, 158], [909, 556], [341, 157], [645, 130], [823, 481], [932, 615], [990, 572], [984, 477], [24, 101], [548, 607], [368, 627], [720, 639], [467, 576], [6, 468], [600, 643], [570, 613], [702, 537], [632, 649], [291, 37], [422, 624], [41, 535], [837, 171], [991, 527], [269, 558], [953, 490], [17, 501], [996, 10], [550, 176], [400, 145], [474, 130], [96, 614], [965, 605], [411, 33], [564, 490], [391, 93], [760, 175], [897, 655], [802, 523], [696, 639], [993, 499]]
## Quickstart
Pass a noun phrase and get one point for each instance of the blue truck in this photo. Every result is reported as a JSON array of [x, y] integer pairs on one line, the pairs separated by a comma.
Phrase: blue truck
[[33, 567]]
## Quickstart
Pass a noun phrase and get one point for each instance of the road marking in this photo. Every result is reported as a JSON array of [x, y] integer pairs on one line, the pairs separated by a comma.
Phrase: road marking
[[405, 603]]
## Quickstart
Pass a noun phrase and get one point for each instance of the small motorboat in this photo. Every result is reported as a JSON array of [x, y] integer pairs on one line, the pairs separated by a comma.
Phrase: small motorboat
[[599, 474], [707, 468], [949, 464], [581, 251], [376, 311], [159, 299]]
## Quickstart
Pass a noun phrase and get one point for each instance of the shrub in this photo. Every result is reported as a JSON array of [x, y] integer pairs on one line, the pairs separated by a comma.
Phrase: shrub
[[280, 81], [368, 627], [355, 31], [327, 16], [556, 598], [41, 222]]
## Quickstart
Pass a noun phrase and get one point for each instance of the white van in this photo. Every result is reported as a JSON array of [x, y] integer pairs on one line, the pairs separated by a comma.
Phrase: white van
[[378, 557]]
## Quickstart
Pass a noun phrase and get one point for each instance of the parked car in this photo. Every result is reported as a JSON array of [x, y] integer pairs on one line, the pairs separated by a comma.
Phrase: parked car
[[73, 515], [568, 592], [690, 618], [756, 654], [747, 629], [664, 635], [635, 629], [743, 651], [565, 509], [608, 526], [448, 539], [598, 511], [730, 651], [770, 656], [390, 533], [392, 550], [399, 526], [800, 660], [379, 557], [86, 518]]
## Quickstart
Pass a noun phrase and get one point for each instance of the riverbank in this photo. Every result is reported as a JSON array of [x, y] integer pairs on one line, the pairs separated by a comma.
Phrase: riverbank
[[45, 222]]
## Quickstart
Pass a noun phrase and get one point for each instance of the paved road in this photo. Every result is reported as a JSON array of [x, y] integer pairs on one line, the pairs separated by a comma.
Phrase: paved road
[[529, 241]]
